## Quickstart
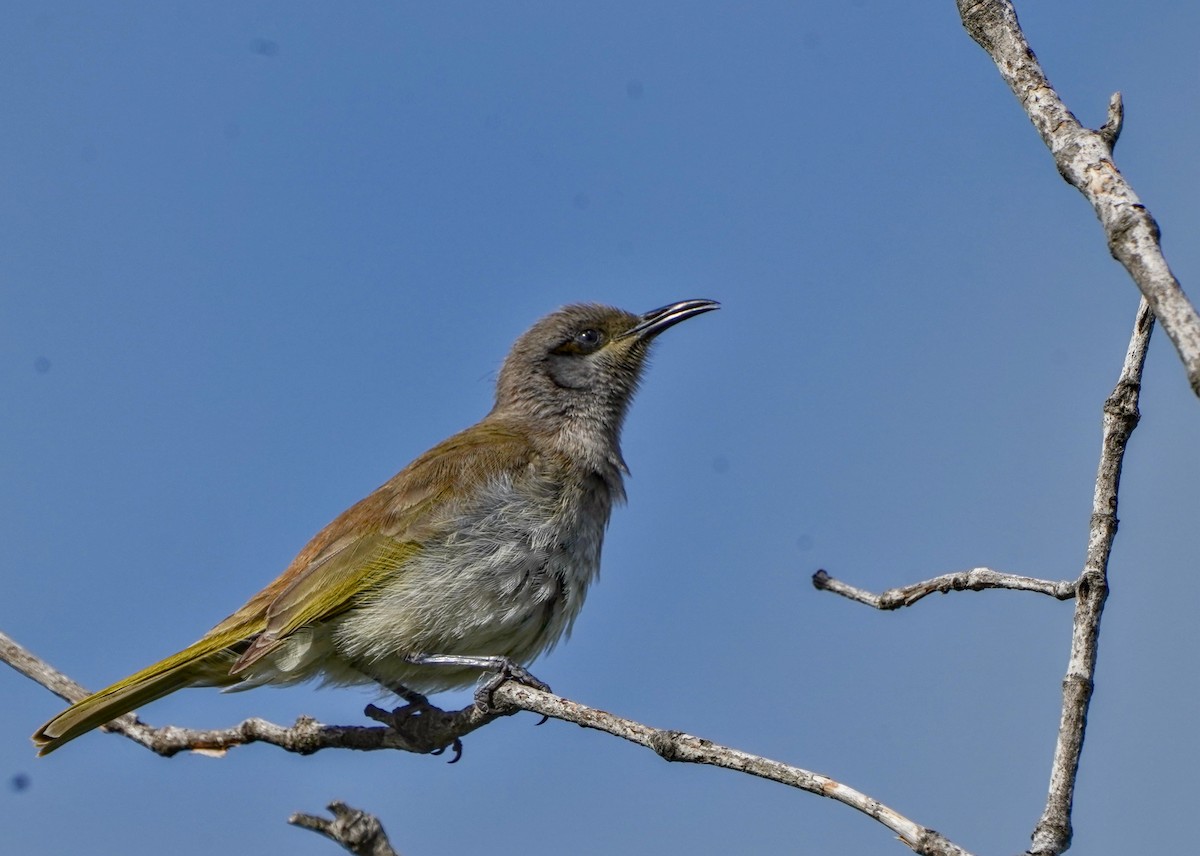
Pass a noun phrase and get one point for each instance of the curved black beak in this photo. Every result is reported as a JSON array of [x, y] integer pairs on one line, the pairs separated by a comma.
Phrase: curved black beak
[[656, 320]]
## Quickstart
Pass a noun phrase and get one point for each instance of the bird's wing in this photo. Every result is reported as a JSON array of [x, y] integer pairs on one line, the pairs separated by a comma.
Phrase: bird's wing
[[328, 587], [369, 542]]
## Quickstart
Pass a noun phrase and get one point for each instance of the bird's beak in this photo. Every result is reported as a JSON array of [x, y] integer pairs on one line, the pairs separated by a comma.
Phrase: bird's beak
[[657, 320]]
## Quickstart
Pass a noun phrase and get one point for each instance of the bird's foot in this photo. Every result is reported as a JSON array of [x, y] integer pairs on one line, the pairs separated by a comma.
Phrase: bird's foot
[[425, 727], [505, 669], [509, 671], [411, 696]]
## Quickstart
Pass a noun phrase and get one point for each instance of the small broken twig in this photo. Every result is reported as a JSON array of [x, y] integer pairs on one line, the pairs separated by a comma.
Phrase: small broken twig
[[360, 833]]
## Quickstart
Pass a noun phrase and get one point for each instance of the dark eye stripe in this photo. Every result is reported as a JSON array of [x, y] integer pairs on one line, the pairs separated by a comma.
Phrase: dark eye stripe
[[586, 341]]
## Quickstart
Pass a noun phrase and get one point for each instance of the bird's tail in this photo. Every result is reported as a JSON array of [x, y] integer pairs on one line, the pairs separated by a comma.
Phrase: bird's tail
[[205, 663]]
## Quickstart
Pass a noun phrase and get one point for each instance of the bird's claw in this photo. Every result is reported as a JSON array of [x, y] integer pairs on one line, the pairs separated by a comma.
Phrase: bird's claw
[[414, 722], [508, 671], [457, 746]]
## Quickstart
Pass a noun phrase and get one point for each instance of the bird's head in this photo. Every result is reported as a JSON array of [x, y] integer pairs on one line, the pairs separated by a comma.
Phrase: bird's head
[[577, 369]]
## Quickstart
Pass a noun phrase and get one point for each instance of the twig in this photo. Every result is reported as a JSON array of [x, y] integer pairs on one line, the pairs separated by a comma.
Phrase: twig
[[309, 736], [1052, 835], [1084, 158], [976, 579], [360, 833], [1110, 131]]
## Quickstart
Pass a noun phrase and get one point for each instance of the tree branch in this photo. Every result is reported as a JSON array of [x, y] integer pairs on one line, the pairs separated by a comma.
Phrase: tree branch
[[1052, 835], [976, 579], [678, 746], [308, 736], [1085, 159]]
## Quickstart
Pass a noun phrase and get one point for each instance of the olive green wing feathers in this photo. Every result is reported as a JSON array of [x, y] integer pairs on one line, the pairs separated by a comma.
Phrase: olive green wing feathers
[[367, 546], [327, 588]]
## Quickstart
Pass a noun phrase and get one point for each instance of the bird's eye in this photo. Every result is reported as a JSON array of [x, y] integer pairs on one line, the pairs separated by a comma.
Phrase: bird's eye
[[582, 342], [589, 339]]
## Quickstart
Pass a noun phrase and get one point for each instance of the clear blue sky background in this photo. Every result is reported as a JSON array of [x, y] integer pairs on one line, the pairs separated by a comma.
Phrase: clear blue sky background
[[257, 256]]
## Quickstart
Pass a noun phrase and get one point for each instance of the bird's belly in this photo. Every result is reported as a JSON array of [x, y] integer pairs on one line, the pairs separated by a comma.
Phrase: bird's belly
[[493, 590]]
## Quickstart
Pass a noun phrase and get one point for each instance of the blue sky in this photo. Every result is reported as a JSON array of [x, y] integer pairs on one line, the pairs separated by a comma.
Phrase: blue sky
[[257, 256]]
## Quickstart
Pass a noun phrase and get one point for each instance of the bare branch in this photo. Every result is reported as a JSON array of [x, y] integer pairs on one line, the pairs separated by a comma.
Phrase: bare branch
[[1084, 159], [678, 746], [308, 736], [1052, 835], [39, 671], [976, 579], [305, 737], [360, 833]]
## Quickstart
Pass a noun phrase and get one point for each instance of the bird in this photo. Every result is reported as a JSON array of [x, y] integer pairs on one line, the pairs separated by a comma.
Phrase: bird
[[475, 558]]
